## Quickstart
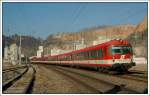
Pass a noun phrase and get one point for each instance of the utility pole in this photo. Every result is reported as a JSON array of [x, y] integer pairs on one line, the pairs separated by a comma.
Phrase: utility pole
[[26, 60], [20, 51]]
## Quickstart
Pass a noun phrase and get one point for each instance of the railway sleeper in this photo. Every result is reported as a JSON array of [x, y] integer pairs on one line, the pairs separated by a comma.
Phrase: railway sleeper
[[13, 80], [97, 87], [21, 85]]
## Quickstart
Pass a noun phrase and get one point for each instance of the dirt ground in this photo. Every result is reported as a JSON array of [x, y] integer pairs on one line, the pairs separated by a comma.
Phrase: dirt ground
[[49, 82]]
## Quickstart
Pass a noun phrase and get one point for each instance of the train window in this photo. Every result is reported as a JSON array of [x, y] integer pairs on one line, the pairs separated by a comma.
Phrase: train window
[[49, 59], [126, 49], [68, 58], [65, 58], [90, 56], [116, 49], [81, 56], [94, 54], [85, 55], [76, 58], [62, 58], [55, 58], [73, 56], [121, 49], [100, 53]]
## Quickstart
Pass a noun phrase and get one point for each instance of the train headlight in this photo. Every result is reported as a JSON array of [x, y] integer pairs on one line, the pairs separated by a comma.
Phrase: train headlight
[[113, 59]]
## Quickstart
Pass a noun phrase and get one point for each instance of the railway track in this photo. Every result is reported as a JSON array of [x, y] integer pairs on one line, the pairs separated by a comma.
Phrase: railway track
[[94, 84], [13, 68], [12, 74], [134, 77], [21, 83], [131, 75], [139, 74], [128, 76]]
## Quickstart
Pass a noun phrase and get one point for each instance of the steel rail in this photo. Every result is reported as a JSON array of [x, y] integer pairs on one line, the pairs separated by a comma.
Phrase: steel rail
[[114, 88], [14, 84]]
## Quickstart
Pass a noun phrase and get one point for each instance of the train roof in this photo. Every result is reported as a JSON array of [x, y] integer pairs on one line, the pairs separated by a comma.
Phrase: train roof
[[109, 43]]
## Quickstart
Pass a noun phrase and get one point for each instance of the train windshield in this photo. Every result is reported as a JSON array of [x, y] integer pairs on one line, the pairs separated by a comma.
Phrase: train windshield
[[121, 49]]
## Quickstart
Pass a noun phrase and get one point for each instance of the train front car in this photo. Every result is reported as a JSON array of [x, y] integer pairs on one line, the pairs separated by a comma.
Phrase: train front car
[[120, 55]]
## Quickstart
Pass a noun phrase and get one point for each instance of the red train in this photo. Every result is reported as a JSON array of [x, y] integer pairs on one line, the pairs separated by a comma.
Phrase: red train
[[114, 55]]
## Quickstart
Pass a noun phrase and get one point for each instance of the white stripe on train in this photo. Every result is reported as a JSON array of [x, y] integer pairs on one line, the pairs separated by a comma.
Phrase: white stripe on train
[[90, 61]]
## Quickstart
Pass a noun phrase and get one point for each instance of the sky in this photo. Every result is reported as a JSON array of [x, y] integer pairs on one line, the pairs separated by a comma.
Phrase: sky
[[43, 19]]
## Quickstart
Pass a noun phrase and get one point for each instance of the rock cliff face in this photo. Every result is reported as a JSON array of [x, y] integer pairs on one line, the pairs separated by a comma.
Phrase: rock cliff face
[[65, 40], [142, 26], [139, 38]]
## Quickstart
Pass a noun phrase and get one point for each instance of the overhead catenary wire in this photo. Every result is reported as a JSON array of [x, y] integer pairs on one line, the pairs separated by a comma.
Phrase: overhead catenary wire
[[77, 15], [125, 18], [136, 13]]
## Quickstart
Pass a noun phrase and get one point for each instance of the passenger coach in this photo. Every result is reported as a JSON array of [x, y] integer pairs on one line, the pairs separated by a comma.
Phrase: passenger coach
[[114, 55]]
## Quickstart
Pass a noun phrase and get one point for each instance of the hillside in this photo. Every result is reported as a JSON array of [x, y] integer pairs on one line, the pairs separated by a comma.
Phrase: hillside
[[29, 44], [142, 26], [65, 40]]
